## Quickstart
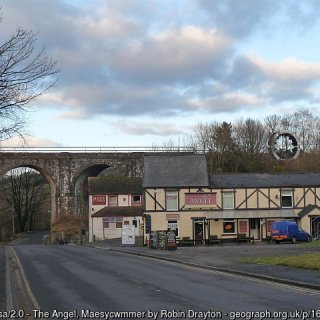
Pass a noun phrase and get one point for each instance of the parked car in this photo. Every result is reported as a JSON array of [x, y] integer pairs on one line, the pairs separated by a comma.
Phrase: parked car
[[288, 231]]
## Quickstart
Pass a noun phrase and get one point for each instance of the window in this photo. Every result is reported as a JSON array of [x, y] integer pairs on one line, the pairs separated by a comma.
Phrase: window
[[106, 225], [243, 226], [229, 226], [135, 223], [136, 200], [173, 225], [113, 201], [172, 200], [286, 199], [228, 200], [118, 225]]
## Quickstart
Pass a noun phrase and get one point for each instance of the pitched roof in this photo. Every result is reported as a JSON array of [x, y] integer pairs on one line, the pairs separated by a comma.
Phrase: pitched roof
[[264, 180], [114, 185], [118, 212], [308, 209], [185, 170]]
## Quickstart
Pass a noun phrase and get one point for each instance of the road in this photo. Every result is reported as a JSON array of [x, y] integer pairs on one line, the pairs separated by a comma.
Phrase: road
[[66, 278]]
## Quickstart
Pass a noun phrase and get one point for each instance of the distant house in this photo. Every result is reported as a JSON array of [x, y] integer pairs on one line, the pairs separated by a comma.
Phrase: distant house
[[114, 202], [181, 196]]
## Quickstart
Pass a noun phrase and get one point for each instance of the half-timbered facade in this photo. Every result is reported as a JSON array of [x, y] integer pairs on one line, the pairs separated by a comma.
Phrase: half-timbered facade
[[179, 195]]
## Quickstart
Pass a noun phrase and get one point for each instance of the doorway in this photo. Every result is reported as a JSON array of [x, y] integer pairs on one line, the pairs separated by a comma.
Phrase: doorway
[[254, 228], [198, 230], [315, 227]]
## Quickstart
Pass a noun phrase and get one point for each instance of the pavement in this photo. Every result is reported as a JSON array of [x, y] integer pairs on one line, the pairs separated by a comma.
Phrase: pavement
[[2, 278], [226, 258]]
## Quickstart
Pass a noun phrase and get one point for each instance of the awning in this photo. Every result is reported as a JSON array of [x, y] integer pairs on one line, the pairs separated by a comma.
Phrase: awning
[[245, 214]]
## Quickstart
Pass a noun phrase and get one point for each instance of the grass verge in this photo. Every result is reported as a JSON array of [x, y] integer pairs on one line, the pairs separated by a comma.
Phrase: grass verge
[[305, 261]]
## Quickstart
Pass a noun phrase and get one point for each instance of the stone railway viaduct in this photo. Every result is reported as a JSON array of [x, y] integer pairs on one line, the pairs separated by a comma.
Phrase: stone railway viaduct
[[67, 172]]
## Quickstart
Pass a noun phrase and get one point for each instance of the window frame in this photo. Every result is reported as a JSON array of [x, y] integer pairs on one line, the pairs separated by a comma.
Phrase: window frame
[[287, 194], [229, 221], [172, 193], [119, 225], [225, 196], [136, 203], [111, 203]]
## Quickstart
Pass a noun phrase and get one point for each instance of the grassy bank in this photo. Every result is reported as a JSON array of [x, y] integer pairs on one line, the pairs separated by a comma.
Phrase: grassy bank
[[306, 261]]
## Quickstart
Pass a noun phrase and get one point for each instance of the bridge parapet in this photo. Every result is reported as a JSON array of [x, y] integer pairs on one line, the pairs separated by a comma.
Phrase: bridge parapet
[[145, 149]]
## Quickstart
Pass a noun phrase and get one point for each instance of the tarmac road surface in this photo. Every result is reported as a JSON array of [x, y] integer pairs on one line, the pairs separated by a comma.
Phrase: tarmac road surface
[[88, 280]]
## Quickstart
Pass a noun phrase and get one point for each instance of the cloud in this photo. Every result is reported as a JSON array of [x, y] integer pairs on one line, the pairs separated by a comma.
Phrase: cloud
[[180, 55], [160, 59], [229, 102], [276, 81], [241, 19], [288, 70], [148, 128], [29, 141]]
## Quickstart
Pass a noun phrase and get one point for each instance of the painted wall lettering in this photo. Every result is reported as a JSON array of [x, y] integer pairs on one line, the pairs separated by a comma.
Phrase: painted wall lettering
[[200, 199]]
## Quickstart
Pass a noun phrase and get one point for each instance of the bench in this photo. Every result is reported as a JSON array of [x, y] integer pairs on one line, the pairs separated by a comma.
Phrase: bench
[[213, 240], [240, 237], [227, 238], [185, 241]]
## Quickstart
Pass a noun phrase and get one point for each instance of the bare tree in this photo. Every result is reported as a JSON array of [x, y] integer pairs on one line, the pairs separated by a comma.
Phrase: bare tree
[[24, 191], [25, 74], [251, 141]]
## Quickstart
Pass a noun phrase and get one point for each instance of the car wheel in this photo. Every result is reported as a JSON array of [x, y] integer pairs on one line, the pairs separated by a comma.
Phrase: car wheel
[[294, 240], [277, 242]]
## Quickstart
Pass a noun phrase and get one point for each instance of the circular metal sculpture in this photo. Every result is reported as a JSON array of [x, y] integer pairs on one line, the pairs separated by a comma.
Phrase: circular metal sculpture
[[284, 146]]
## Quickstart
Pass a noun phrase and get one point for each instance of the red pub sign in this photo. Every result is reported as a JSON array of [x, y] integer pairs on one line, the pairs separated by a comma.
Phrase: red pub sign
[[200, 199], [99, 200]]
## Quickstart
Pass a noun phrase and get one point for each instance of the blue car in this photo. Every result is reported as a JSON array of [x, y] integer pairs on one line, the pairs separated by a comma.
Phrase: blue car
[[288, 231]]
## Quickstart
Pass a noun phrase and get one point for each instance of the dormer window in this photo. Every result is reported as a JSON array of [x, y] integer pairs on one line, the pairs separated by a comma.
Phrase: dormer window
[[113, 201], [136, 200]]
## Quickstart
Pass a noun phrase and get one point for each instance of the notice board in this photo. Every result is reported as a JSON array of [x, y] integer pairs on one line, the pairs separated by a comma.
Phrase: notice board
[[128, 235], [162, 240]]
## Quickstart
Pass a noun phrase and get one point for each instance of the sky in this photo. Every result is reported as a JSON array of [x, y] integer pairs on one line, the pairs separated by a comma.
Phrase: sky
[[145, 72]]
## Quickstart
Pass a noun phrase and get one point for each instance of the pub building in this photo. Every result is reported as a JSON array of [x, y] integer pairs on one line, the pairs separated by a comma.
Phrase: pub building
[[114, 202], [179, 195]]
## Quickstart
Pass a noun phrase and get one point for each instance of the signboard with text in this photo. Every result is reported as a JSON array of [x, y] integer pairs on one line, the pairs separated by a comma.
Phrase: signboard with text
[[112, 219], [128, 235], [199, 199], [99, 200]]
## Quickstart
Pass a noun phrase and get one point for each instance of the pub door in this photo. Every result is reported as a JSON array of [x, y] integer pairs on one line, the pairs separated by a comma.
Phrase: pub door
[[198, 231], [254, 228], [315, 227]]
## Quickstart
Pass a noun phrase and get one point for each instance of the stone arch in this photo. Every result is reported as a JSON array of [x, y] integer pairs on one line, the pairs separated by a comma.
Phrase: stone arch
[[63, 169], [46, 175], [79, 185]]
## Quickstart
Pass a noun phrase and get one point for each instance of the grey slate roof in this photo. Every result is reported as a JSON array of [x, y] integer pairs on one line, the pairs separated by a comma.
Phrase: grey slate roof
[[264, 180], [185, 170], [308, 209], [114, 185], [118, 211]]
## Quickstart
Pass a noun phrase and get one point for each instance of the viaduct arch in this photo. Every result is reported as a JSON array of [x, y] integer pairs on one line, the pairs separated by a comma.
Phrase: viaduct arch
[[66, 172]]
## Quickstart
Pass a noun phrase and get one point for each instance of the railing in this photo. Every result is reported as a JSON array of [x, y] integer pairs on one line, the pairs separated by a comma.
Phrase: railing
[[96, 149]]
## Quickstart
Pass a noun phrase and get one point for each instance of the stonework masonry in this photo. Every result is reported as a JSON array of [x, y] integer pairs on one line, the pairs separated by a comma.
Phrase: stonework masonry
[[67, 172]]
